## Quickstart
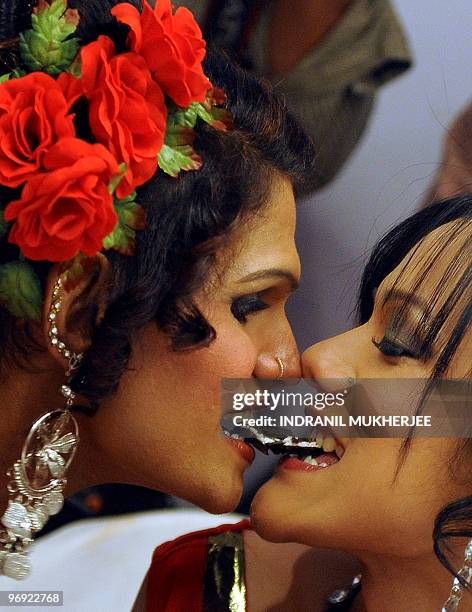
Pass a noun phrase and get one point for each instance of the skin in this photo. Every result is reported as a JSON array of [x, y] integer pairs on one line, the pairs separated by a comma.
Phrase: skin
[[161, 429], [297, 27], [357, 505]]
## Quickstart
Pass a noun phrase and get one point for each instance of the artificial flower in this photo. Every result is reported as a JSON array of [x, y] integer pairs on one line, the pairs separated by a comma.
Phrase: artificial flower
[[172, 46], [34, 115], [127, 113], [68, 208]]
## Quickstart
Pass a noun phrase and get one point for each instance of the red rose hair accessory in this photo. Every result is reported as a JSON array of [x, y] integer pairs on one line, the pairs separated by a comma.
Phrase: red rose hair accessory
[[67, 197]]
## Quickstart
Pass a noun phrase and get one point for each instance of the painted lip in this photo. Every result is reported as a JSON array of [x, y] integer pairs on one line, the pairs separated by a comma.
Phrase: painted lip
[[292, 463], [244, 450]]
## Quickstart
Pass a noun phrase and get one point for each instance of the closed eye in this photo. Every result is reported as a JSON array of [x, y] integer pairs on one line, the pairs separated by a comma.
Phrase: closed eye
[[246, 305], [390, 348]]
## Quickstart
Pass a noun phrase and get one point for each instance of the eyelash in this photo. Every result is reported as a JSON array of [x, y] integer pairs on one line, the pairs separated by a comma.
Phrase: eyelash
[[389, 348], [247, 305]]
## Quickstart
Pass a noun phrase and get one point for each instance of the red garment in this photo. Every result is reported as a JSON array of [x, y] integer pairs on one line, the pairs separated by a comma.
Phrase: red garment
[[177, 574]]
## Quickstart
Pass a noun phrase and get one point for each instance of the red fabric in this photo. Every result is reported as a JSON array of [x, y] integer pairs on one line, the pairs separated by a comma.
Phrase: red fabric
[[177, 573]]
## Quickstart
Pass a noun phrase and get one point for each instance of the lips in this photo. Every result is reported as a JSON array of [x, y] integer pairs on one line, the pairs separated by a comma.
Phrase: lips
[[246, 451], [321, 462], [317, 450]]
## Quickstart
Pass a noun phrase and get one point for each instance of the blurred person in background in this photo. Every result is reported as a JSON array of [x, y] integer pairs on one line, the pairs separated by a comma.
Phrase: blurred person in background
[[327, 58], [454, 176]]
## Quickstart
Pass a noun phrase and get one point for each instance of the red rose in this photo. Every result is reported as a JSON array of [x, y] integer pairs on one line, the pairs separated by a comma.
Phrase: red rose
[[172, 45], [33, 116], [128, 114], [68, 208]]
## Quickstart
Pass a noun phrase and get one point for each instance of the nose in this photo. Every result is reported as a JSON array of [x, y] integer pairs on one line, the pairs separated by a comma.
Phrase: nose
[[334, 359], [280, 361]]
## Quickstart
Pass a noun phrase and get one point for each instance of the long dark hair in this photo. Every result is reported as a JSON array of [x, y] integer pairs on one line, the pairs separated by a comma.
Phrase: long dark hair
[[189, 218], [455, 520]]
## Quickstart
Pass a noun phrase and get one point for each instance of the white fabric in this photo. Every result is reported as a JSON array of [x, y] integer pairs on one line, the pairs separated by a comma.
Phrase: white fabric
[[100, 563]]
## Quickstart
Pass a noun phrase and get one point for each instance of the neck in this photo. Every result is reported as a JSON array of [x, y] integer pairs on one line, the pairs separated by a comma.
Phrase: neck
[[420, 584]]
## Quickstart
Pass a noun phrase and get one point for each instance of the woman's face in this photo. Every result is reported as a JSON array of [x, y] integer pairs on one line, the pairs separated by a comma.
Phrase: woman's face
[[162, 428], [357, 504]]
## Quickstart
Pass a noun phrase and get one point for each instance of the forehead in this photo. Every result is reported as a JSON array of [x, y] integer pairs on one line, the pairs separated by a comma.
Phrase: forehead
[[435, 266], [267, 238], [432, 288]]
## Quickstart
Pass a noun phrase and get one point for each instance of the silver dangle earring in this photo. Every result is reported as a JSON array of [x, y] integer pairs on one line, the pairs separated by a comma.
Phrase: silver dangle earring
[[455, 596], [38, 478]]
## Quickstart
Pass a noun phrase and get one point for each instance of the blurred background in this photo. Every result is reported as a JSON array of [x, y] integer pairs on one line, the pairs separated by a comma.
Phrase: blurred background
[[389, 173]]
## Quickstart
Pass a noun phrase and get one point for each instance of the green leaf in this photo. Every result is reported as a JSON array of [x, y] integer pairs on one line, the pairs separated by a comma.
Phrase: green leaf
[[20, 290], [50, 45], [131, 217], [14, 74], [3, 224], [75, 68], [178, 154], [173, 159], [207, 111], [116, 180], [186, 117]]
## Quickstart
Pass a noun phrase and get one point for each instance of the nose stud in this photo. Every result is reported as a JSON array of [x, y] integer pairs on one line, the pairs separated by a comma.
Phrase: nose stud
[[281, 365]]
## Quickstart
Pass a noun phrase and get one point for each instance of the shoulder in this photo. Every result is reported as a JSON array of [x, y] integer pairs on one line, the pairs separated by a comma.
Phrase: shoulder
[[204, 569], [183, 572]]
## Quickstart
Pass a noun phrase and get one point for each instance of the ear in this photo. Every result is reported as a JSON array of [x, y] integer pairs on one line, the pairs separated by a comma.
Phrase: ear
[[81, 307]]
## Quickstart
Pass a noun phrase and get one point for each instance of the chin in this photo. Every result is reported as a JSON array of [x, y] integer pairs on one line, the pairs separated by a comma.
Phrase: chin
[[219, 503], [217, 497], [270, 524]]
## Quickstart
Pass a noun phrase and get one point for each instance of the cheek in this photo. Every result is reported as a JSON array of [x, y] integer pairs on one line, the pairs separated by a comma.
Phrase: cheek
[[231, 355], [460, 366], [162, 428], [360, 506]]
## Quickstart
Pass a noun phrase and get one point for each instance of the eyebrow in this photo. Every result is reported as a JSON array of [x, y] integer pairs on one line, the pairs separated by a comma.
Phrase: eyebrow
[[272, 273]]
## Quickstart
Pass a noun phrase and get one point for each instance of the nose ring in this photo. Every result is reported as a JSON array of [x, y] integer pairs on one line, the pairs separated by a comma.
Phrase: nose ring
[[281, 365]]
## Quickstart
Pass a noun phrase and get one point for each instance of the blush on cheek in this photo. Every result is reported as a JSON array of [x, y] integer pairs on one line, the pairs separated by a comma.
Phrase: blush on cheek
[[235, 355], [231, 355]]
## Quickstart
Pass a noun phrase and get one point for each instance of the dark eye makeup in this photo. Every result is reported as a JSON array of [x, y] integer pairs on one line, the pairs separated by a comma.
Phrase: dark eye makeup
[[246, 305], [391, 347]]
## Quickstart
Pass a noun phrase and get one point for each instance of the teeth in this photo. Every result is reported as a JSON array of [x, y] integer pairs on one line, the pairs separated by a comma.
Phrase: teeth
[[319, 440], [329, 444], [339, 450], [310, 460]]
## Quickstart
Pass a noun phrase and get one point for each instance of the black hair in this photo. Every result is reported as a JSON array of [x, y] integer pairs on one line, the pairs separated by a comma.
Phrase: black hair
[[188, 218], [452, 296]]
